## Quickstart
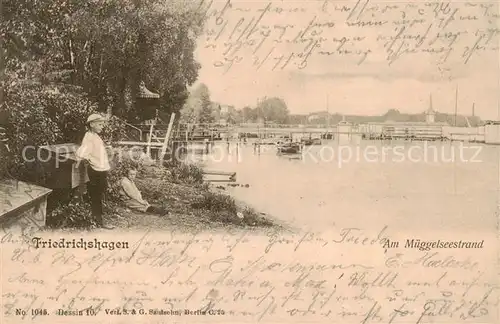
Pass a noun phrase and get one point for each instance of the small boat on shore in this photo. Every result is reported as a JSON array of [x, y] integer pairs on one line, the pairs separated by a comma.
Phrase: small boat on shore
[[289, 148], [311, 141], [267, 142]]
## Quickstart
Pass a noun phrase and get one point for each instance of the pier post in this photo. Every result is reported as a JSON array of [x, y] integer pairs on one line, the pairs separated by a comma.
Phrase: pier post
[[207, 145], [344, 133]]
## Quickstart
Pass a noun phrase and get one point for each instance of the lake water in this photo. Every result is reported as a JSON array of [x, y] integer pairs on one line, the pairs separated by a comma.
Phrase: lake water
[[409, 185]]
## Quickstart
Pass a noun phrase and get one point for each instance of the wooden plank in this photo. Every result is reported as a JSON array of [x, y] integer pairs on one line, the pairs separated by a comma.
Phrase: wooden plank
[[219, 173], [15, 194], [167, 137], [220, 180], [158, 139], [148, 149], [61, 148], [129, 143], [231, 176]]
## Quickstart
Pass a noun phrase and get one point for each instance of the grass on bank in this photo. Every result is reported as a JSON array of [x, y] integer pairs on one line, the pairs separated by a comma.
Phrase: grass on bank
[[192, 203]]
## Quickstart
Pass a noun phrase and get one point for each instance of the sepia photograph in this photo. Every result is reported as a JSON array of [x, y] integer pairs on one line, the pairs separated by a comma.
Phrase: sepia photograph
[[237, 161]]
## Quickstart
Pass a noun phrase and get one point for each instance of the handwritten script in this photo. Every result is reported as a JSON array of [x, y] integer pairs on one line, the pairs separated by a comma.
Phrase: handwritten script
[[291, 35], [243, 276]]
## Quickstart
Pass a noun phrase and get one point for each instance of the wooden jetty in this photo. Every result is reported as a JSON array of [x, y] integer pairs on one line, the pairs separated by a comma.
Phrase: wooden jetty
[[183, 135], [231, 176], [158, 140]]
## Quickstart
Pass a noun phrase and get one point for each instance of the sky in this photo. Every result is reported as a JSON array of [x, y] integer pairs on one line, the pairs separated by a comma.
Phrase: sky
[[338, 82]]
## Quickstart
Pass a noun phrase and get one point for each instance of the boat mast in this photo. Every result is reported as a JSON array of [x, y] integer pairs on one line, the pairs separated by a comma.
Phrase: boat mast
[[456, 104], [327, 112]]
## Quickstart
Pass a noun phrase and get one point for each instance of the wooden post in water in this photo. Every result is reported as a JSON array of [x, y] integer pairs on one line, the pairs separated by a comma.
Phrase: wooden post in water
[[207, 145], [167, 136]]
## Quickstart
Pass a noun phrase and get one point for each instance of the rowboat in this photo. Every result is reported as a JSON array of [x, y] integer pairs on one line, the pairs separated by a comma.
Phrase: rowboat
[[311, 141], [289, 148]]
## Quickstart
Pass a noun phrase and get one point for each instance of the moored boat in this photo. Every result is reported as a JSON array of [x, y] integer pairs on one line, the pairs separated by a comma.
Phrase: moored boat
[[311, 141], [289, 148]]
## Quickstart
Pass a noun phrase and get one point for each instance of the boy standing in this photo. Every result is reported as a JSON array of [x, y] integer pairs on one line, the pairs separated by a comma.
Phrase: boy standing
[[94, 152]]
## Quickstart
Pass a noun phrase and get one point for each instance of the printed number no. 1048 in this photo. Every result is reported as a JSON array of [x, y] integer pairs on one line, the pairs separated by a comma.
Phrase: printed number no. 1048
[[34, 312]]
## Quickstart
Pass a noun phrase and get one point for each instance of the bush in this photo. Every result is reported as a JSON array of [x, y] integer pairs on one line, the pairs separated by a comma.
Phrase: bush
[[6, 157], [216, 202], [76, 214], [253, 218], [224, 209], [115, 130], [187, 174], [36, 115]]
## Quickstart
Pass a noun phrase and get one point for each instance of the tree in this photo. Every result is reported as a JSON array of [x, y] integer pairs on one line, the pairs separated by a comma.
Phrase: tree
[[105, 47], [297, 119], [191, 110], [233, 116], [273, 109], [198, 107], [206, 116], [248, 114], [63, 59]]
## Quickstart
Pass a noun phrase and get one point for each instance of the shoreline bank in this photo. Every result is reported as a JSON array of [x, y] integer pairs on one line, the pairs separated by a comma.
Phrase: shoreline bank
[[193, 205]]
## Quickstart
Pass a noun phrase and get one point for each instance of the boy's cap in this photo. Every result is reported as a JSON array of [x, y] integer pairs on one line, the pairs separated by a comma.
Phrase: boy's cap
[[95, 117]]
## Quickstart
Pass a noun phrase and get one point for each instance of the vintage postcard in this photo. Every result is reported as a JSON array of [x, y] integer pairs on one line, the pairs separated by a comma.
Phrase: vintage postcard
[[238, 161]]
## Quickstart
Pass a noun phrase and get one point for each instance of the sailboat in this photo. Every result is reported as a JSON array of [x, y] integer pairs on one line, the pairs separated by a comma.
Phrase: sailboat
[[327, 135], [343, 121]]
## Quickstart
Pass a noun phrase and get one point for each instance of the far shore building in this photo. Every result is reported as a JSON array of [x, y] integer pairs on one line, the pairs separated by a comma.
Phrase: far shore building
[[428, 129], [224, 115]]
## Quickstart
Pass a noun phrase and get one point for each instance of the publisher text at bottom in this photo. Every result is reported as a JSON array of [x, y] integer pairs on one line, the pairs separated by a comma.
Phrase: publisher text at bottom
[[165, 312]]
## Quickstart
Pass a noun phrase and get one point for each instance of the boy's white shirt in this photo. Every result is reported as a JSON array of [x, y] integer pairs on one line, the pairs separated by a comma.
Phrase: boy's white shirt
[[94, 151]]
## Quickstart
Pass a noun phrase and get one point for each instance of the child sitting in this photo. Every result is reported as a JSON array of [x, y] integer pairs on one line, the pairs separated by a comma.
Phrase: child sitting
[[133, 198]]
